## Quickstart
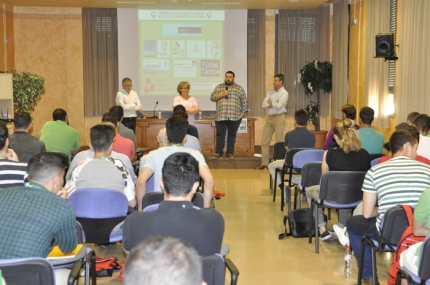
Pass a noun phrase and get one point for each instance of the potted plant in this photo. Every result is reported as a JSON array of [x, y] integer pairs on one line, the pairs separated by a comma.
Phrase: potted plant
[[27, 90], [316, 76]]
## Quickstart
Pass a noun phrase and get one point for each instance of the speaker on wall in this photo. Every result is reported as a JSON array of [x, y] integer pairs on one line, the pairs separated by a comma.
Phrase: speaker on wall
[[385, 45]]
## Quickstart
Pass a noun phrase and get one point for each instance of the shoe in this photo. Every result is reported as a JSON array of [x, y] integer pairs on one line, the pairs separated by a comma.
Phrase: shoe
[[217, 156], [261, 167], [325, 235], [230, 155], [369, 282], [333, 236], [341, 234]]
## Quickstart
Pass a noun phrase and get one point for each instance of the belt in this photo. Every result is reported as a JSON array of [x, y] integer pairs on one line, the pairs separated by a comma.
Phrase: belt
[[130, 118], [276, 115]]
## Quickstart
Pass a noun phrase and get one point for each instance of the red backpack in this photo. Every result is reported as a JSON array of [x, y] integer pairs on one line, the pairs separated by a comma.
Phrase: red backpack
[[405, 242]]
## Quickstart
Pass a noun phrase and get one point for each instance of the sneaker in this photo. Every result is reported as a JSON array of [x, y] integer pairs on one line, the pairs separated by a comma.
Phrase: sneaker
[[230, 155], [341, 234], [217, 156], [325, 235], [333, 236]]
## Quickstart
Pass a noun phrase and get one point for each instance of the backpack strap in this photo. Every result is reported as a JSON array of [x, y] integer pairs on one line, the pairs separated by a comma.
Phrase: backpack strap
[[409, 213]]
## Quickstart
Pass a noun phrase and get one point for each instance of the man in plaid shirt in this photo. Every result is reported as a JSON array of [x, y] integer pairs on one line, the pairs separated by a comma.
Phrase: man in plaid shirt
[[231, 106]]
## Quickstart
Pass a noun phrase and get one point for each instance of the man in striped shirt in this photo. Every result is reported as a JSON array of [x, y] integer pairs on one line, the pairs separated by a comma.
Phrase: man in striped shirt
[[398, 181], [231, 106], [12, 172]]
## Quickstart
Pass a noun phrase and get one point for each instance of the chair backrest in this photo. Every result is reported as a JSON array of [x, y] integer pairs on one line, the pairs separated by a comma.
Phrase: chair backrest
[[375, 155], [374, 161], [423, 268], [213, 270], [311, 174], [394, 224], [305, 156], [158, 197], [28, 271], [291, 152], [150, 184], [279, 151], [98, 203], [342, 187]]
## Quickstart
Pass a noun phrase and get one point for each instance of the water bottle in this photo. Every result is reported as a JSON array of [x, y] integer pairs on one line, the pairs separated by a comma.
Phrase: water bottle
[[347, 259], [200, 115], [159, 114]]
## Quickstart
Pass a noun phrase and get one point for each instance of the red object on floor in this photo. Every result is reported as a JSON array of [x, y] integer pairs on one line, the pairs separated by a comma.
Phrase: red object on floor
[[218, 193]]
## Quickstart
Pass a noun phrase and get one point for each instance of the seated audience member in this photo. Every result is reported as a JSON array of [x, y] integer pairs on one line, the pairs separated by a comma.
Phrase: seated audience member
[[371, 140], [299, 137], [24, 144], [152, 163], [102, 170], [411, 118], [12, 172], [163, 261], [348, 112], [422, 123], [410, 258], [192, 130], [346, 155], [35, 215], [400, 180], [176, 216], [58, 136], [120, 143], [190, 140], [123, 130]]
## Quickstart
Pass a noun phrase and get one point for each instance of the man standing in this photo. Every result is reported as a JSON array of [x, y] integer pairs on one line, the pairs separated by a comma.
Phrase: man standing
[[129, 101], [275, 102], [58, 136], [24, 144], [231, 106]]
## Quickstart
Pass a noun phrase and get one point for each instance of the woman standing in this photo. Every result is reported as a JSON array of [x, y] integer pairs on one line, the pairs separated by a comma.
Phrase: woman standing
[[190, 103]]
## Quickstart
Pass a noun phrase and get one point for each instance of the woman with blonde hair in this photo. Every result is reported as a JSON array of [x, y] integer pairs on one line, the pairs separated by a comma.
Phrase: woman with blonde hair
[[345, 155], [184, 99]]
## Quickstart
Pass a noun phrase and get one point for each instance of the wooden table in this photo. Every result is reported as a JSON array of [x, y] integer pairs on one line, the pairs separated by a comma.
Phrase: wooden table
[[147, 131]]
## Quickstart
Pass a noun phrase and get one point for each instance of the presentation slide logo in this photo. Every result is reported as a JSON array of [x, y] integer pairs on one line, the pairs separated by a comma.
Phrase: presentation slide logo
[[196, 49], [214, 49], [164, 48], [150, 47], [210, 68], [178, 50]]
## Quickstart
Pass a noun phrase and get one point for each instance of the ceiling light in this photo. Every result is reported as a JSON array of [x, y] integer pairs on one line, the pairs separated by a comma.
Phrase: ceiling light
[[221, 3], [293, 1], [118, 2]]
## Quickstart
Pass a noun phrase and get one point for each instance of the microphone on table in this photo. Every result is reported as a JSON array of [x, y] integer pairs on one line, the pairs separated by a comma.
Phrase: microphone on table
[[154, 117]]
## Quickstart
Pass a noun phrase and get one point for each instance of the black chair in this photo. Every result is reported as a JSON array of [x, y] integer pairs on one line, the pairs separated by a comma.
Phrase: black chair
[[375, 155], [423, 268], [278, 153], [311, 175], [288, 168], [214, 267], [338, 190], [157, 197], [394, 224]]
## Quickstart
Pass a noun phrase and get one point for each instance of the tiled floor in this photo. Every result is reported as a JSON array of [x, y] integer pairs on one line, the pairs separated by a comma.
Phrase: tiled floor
[[253, 223]]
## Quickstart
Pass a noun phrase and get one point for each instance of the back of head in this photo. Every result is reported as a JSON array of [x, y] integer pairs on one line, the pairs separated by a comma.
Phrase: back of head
[[181, 113], [350, 111], [176, 129], [44, 166], [410, 128], [367, 115], [179, 108], [59, 115], [422, 122], [22, 120], [102, 136], [118, 111], [111, 118], [411, 116], [4, 134], [400, 137], [163, 261], [301, 117], [348, 136], [180, 172]]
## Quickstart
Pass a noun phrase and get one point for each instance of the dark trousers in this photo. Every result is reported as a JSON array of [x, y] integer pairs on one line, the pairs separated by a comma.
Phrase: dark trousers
[[223, 127], [130, 123]]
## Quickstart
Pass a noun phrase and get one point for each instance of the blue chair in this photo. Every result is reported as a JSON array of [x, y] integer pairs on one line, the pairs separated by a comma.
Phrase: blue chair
[[423, 269], [374, 161], [99, 211], [338, 190]]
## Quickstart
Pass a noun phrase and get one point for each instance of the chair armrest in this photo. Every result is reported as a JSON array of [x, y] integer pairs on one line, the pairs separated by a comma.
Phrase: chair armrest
[[233, 270], [74, 274]]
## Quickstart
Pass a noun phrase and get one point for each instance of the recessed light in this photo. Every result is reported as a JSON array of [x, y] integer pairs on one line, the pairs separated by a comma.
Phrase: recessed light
[[293, 1], [221, 3]]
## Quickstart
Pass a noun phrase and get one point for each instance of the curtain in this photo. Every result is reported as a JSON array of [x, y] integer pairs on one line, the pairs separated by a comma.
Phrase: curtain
[[100, 52], [302, 36], [376, 71], [256, 59], [412, 80], [340, 57]]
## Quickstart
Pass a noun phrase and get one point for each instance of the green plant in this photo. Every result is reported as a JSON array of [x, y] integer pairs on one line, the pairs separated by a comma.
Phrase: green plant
[[316, 76], [27, 90]]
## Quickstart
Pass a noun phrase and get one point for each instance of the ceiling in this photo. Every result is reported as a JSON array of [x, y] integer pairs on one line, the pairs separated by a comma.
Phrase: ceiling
[[173, 4]]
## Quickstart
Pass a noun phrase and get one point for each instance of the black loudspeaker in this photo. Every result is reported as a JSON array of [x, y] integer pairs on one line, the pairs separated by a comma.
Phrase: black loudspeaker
[[384, 45]]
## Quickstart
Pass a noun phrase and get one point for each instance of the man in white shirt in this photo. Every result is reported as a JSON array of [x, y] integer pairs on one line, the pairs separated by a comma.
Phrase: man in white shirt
[[129, 101], [275, 102]]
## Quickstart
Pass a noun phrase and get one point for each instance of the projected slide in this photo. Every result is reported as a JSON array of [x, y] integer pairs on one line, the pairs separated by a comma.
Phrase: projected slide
[[180, 45]]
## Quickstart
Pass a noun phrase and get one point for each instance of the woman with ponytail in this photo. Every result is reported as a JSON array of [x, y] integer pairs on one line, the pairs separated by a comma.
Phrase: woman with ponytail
[[345, 155]]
